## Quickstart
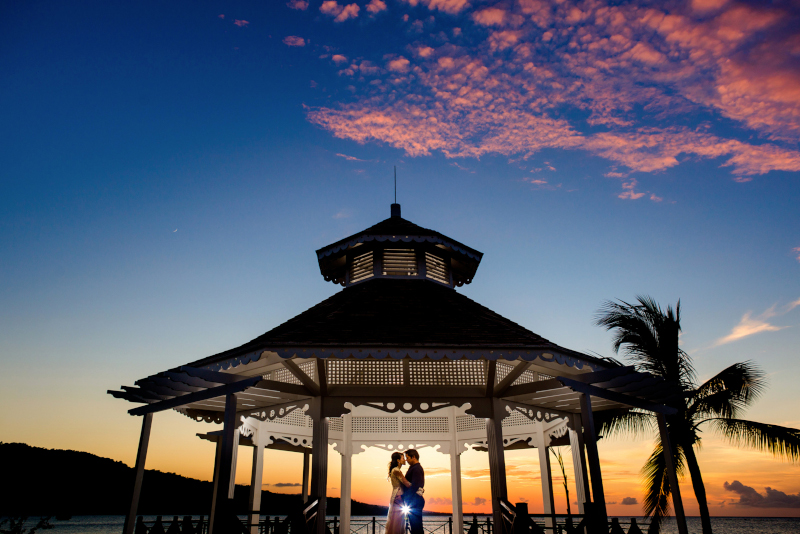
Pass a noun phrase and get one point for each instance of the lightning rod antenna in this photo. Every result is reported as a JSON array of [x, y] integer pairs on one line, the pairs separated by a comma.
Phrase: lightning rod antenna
[[395, 184]]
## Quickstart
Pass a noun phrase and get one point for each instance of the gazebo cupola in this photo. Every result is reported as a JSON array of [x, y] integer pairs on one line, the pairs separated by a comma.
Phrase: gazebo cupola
[[397, 248]]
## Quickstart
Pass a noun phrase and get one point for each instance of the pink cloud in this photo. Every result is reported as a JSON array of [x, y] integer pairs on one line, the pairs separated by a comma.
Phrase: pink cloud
[[447, 6], [241, 23], [490, 16], [629, 192], [293, 40], [398, 65], [376, 6], [797, 251], [221, 16], [341, 13], [301, 5], [655, 198], [624, 66], [338, 58]]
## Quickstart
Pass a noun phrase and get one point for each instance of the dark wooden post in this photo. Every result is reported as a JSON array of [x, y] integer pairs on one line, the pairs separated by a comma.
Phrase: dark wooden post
[[222, 511], [497, 463], [306, 466], [590, 438], [677, 502], [319, 461], [141, 457]]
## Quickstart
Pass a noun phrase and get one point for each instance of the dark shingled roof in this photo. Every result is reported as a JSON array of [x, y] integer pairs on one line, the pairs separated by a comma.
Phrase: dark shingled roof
[[402, 314], [397, 226]]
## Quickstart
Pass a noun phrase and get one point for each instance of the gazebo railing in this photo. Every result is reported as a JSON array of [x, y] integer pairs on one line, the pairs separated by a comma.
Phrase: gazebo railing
[[564, 524]]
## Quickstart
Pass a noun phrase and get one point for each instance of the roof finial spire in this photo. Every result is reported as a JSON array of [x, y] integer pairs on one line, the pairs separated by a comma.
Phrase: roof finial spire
[[395, 206]]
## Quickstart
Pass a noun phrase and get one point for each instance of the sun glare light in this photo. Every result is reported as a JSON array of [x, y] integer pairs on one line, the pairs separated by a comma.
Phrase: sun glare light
[[405, 509]]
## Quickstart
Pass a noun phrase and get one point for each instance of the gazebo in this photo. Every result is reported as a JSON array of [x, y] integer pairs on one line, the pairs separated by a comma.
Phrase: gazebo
[[399, 359]]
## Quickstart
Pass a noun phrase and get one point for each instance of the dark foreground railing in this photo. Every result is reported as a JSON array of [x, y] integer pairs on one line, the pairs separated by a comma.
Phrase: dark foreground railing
[[538, 524]]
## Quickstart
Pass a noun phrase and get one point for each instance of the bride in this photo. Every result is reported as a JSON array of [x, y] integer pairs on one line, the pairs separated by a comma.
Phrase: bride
[[395, 522]]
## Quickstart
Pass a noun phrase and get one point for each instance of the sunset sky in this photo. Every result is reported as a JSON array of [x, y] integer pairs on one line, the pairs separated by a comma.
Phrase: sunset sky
[[167, 171]]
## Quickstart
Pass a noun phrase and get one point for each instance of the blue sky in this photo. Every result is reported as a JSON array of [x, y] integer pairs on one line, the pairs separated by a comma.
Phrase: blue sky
[[167, 174]]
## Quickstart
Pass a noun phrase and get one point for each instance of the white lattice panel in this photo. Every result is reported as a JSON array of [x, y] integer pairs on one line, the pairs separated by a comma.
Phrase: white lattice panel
[[365, 372], [295, 418], [465, 423], [284, 375], [335, 424], [516, 419], [425, 425], [545, 377], [447, 373], [501, 371], [525, 378], [376, 425]]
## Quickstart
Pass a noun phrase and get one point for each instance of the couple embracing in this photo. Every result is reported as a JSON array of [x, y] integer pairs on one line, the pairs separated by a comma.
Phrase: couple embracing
[[407, 493]]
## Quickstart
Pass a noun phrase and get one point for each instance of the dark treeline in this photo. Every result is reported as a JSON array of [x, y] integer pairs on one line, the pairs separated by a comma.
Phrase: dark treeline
[[36, 481]]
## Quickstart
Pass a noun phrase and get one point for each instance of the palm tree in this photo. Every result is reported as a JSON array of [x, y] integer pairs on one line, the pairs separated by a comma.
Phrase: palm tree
[[649, 339]]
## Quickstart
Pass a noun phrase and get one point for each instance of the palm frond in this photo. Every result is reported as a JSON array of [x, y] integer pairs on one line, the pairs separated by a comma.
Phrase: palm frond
[[649, 338], [624, 423], [658, 491], [729, 392], [780, 441]]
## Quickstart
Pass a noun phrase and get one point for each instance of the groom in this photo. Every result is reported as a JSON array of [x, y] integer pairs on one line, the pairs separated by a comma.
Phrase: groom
[[413, 495]]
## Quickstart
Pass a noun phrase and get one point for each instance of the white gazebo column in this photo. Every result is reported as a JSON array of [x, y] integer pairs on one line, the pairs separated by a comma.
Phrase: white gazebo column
[[306, 467], [542, 443], [578, 461], [455, 473], [232, 485], [256, 481], [141, 457], [497, 463], [347, 471]]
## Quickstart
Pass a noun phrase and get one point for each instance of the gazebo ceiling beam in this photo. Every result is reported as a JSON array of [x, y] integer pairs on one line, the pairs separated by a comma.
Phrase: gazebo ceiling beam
[[183, 378], [146, 393], [510, 378], [172, 384], [489, 377], [302, 377], [636, 402], [225, 389]]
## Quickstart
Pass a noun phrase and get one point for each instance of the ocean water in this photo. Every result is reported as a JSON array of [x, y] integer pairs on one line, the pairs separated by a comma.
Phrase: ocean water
[[112, 524]]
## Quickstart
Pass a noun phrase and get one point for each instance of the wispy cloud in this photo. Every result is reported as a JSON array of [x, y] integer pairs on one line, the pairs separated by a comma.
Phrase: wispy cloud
[[749, 326], [343, 214], [293, 40], [351, 158], [495, 86], [285, 485], [796, 250], [241, 23]]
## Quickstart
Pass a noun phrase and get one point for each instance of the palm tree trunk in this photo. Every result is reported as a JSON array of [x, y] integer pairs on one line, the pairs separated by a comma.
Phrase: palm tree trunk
[[699, 488]]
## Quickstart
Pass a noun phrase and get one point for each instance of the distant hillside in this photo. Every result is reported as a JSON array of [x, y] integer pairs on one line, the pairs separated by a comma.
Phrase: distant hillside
[[36, 481]]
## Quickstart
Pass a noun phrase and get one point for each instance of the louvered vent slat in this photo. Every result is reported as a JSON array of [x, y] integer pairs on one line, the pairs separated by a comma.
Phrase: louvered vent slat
[[361, 267], [399, 262], [437, 269]]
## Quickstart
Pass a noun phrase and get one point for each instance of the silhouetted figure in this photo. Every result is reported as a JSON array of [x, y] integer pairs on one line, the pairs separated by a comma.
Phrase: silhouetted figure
[[473, 528], [140, 528], [175, 526], [187, 527], [634, 527], [158, 528], [616, 528], [523, 524]]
